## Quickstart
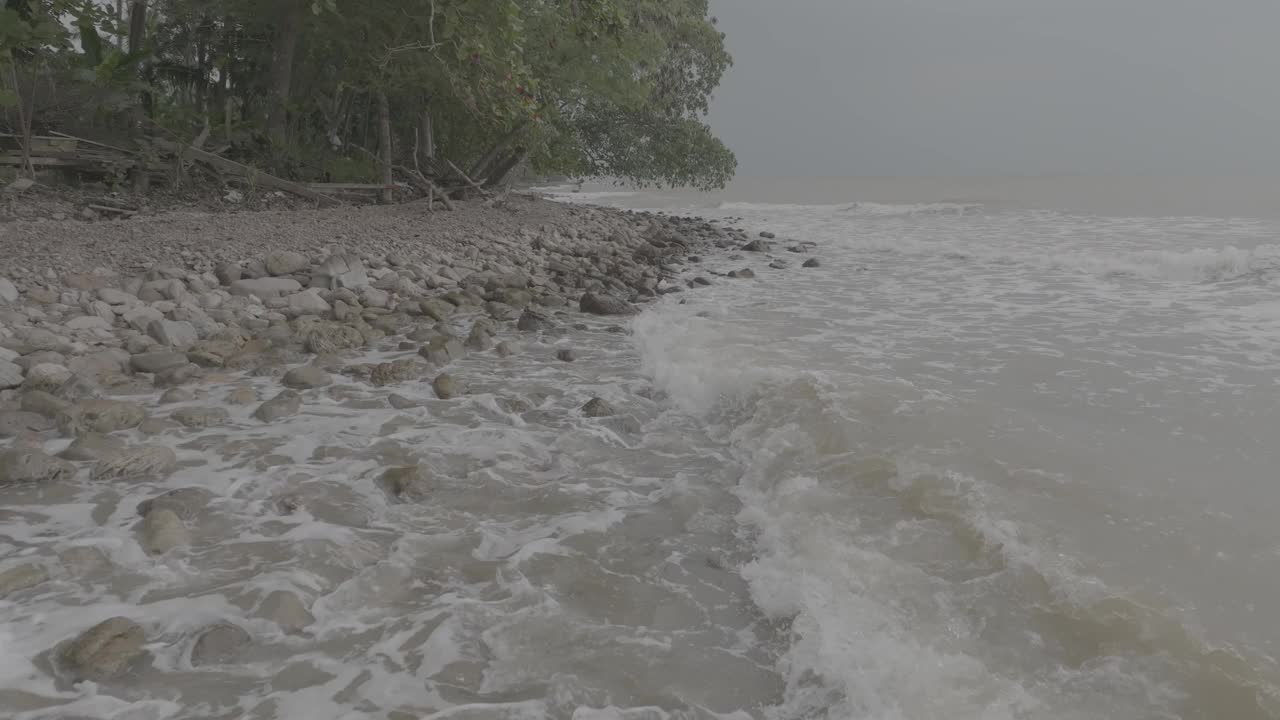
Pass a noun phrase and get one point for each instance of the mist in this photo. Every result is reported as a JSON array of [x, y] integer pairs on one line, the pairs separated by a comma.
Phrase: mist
[[1001, 87]]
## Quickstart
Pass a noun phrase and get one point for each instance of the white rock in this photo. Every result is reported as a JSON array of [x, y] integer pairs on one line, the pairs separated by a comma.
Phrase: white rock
[[266, 287], [285, 262], [88, 322], [179, 335], [7, 355], [111, 296], [141, 318], [8, 293], [104, 311]]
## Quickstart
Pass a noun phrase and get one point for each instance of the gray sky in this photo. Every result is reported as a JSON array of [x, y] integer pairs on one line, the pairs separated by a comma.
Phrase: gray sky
[[958, 87]]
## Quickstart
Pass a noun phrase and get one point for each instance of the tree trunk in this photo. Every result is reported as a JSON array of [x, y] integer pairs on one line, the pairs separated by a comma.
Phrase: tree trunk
[[24, 120], [138, 38], [384, 148], [120, 24], [504, 168], [428, 140], [286, 46], [137, 25], [481, 170]]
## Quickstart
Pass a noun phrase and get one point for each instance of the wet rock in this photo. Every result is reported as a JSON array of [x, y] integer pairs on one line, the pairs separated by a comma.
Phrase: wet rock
[[597, 408], [141, 462], [18, 466], [265, 288], [200, 417], [566, 355], [307, 302], [393, 373], [506, 348], [162, 531], [532, 320], [757, 246], [219, 644], [768, 235], [407, 484], [83, 560], [182, 374], [92, 446], [46, 376], [185, 502], [597, 304], [175, 334], [741, 274], [811, 263], [501, 312], [17, 423], [227, 273], [445, 386], [442, 350], [8, 292], [779, 265], [287, 403], [78, 389], [330, 337], [305, 378], [88, 322], [479, 339], [140, 318], [10, 375], [176, 395], [400, 402], [285, 263], [436, 309], [105, 651], [22, 577], [285, 609]]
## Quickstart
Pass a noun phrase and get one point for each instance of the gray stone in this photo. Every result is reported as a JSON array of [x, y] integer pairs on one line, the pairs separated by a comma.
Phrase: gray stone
[[265, 288], [597, 408], [101, 416], [219, 644], [227, 273], [8, 292], [16, 423], [394, 372], [83, 560], [408, 484], [304, 378], [22, 577], [400, 402], [105, 651], [33, 340], [141, 462], [566, 355], [176, 375], [185, 502], [445, 386], [745, 273], [179, 335], [10, 375], [77, 389], [331, 337], [46, 376], [43, 403], [308, 302], [176, 395], [811, 263], [88, 322], [436, 309], [532, 320], [287, 403], [757, 246], [162, 531], [285, 262], [91, 447], [479, 339], [18, 466], [442, 350], [596, 304], [140, 318], [501, 312], [506, 348], [285, 609], [200, 417], [340, 271]]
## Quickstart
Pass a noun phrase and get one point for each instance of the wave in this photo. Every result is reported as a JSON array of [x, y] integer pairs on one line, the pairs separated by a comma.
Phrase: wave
[[1197, 265], [868, 209], [908, 589]]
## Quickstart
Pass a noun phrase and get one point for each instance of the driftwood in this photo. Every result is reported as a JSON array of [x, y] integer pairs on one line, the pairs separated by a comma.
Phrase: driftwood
[[477, 186], [425, 185], [113, 210], [250, 174]]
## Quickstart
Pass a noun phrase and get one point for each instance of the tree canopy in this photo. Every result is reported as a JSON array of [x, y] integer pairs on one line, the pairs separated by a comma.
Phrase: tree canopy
[[581, 88]]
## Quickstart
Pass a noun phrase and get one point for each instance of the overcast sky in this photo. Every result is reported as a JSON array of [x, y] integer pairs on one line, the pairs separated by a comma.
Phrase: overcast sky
[[960, 87]]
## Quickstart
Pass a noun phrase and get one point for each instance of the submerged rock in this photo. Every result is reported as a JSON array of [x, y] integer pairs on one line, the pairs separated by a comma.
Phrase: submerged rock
[[287, 403], [811, 263], [400, 402], [22, 577], [409, 483], [162, 531], [105, 651], [200, 417], [566, 355], [285, 609], [605, 305], [219, 644], [331, 337], [142, 462], [394, 372], [100, 416], [19, 466], [597, 408], [14, 423], [531, 321], [304, 378], [92, 446], [445, 386], [184, 502]]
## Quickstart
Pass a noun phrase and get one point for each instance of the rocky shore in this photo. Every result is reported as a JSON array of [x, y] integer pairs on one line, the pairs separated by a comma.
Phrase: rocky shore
[[121, 341]]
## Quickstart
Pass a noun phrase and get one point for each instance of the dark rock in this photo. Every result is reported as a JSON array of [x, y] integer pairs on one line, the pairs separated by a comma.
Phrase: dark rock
[[811, 263], [566, 355], [757, 246], [407, 484], [287, 403], [31, 466], [768, 235], [141, 462], [184, 502], [305, 378], [605, 305], [532, 320], [107, 650], [219, 644], [597, 408], [445, 386]]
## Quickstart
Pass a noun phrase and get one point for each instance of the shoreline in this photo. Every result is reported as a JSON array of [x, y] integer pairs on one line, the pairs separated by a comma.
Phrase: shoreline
[[121, 383]]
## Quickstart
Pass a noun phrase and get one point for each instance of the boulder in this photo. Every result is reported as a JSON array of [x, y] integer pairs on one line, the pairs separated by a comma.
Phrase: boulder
[[8, 291], [285, 609], [285, 262], [88, 322], [141, 462], [176, 375], [19, 466], [105, 651], [331, 337], [596, 304], [91, 447], [83, 560], [597, 408], [407, 484], [24, 576], [532, 320], [479, 339], [43, 403], [400, 402], [265, 288], [162, 531], [287, 403], [46, 376], [16, 423], [436, 309], [77, 388], [757, 246], [307, 302], [10, 375], [445, 386], [100, 416], [176, 334], [185, 502], [200, 417], [33, 340], [227, 272], [811, 263], [340, 271], [744, 273], [219, 644], [442, 350], [176, 395], [140, 318], [506, 349], [304, 378], [393, 373]]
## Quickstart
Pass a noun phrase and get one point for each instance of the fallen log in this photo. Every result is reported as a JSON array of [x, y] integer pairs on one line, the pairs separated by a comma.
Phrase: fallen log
[[425, 185], [251, 175]]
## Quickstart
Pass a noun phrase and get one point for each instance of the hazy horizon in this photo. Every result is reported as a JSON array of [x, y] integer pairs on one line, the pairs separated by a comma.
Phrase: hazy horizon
[[1000, 88]]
